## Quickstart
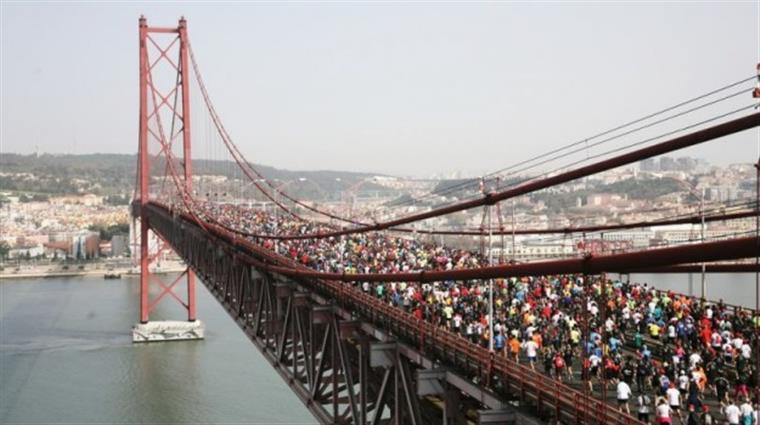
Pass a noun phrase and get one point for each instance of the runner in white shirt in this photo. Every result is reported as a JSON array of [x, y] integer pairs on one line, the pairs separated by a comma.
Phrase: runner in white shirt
[[662, 413], [593, 309], [746, 351], [671, 332], [738, 342], [747, 413], [623, 395], [457, 321], [694, 359], [531, 350], [683, 382], [594, 360], [609, 324], [732, 413], [674, 400], [728, 351], [716, 341], [637, 317], [643, 410]]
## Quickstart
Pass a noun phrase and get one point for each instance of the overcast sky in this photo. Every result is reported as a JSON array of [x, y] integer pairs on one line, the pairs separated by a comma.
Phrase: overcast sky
[[408, 89]]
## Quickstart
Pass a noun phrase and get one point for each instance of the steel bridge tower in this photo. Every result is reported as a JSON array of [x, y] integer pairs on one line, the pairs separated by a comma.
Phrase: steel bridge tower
[[164, 99]]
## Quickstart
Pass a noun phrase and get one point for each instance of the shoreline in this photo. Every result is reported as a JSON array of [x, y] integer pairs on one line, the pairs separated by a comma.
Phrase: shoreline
[[36, 272], [34, 275], [85, 273]]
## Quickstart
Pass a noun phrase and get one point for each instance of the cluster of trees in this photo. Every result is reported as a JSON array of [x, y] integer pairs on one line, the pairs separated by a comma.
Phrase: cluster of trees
[[36, 197], [68, 174], [46, 183], [645, 189], [107, 232], [632, 188]]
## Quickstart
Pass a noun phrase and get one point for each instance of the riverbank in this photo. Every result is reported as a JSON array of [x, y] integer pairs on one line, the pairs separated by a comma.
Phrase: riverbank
[[96, 269]]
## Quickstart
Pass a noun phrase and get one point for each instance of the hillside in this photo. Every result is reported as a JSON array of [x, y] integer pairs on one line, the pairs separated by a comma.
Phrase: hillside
[[108, 174]]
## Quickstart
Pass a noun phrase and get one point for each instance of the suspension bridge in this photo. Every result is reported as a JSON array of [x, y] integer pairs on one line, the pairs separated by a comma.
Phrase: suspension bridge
[[351, 356]]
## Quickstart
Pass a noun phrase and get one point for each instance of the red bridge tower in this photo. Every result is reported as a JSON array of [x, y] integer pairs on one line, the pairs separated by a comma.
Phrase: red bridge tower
[[164, 105]]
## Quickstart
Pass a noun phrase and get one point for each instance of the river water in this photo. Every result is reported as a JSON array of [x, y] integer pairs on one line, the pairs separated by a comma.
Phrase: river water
[[66, 357], [733, 288]]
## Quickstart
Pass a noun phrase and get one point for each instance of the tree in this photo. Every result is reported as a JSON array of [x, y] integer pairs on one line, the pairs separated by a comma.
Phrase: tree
[[5, 248], [106, 233], [117, 200]]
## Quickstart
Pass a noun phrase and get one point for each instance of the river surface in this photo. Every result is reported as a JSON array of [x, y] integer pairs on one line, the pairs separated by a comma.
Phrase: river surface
[[733, 288], [66, 357]]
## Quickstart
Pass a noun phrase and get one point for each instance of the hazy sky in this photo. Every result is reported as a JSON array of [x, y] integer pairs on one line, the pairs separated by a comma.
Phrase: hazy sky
[[410, 89]]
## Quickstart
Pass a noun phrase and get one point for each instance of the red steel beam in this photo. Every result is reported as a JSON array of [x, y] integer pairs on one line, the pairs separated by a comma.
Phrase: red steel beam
[[166, 289], [694, 219], [144, 172], [732, 249], [691, 139], [695, 253], [625, 262], [162, 30], [187, 157]]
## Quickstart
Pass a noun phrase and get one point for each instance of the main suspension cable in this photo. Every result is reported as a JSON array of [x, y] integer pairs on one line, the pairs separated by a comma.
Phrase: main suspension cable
[[244, 163]]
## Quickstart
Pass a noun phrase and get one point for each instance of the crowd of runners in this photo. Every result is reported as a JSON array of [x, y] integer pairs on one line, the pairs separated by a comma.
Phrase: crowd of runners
[[667, 357]]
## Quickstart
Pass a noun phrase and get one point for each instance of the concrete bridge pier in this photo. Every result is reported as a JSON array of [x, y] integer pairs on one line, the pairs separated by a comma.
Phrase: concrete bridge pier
[[167, 330]]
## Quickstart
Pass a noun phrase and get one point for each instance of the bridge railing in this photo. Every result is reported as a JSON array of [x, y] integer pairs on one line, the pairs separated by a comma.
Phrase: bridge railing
[[477, 360]]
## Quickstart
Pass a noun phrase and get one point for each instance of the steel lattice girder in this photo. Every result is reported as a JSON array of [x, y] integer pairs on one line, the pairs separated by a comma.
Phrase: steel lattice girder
[[318, 352]]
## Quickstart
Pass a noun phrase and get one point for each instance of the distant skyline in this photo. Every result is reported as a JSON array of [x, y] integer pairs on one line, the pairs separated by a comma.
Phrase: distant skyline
[[410, 89]]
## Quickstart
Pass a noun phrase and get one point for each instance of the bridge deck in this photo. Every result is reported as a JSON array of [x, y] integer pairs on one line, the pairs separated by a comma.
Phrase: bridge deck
[[209, 251]]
